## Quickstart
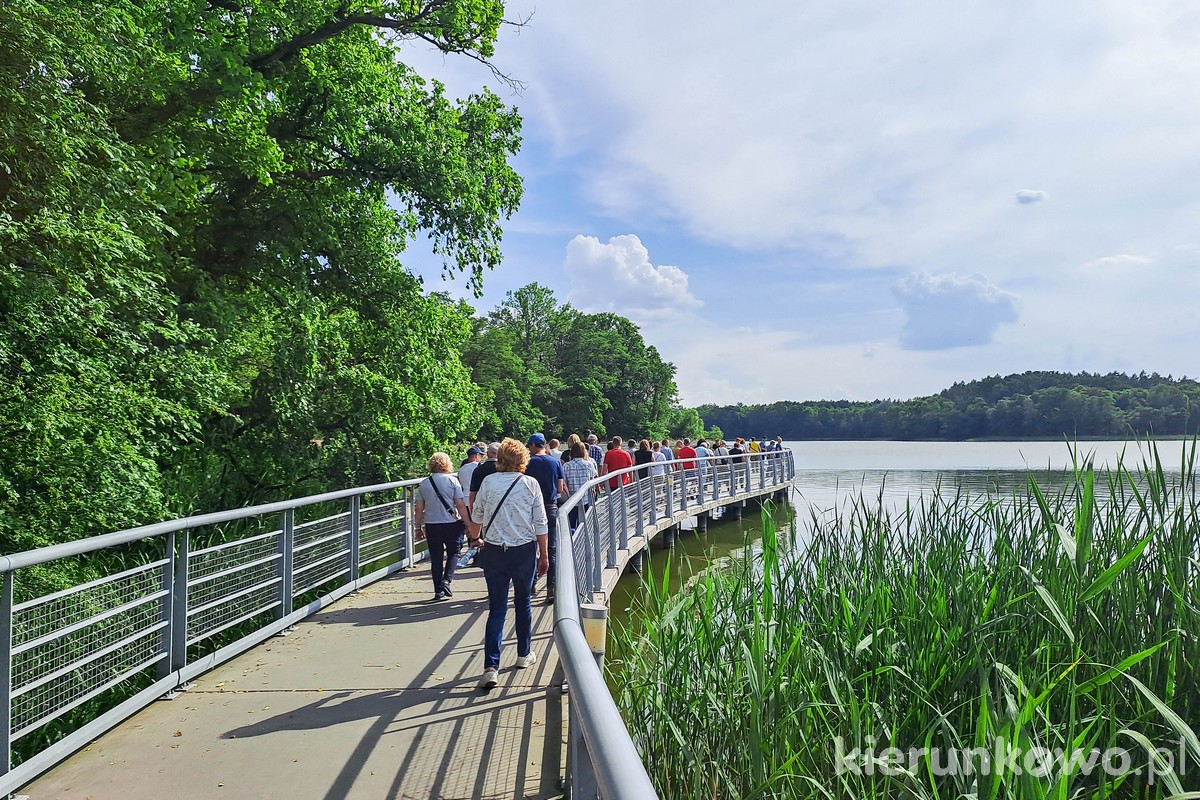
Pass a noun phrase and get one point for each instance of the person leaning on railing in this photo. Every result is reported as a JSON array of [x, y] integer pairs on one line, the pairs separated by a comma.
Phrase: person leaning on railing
[[515, 551]]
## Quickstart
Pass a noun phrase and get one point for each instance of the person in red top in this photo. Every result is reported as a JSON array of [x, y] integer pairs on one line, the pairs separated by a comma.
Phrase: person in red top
[[688, 453], [616, 458]]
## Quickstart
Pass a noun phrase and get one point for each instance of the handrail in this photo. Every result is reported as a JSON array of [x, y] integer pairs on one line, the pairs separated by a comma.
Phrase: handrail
[[148, 620], [42, 555], [616, 766]]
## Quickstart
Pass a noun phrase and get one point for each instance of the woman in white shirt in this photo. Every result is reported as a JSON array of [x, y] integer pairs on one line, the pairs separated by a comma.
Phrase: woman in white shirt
[[510, 507]]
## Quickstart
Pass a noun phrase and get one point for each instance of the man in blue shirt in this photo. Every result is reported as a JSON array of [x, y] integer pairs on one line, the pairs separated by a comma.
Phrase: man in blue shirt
[[548, 472]]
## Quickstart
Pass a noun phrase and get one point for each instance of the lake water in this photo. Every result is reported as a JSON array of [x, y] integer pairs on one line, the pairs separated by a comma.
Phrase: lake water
[[828, 473]]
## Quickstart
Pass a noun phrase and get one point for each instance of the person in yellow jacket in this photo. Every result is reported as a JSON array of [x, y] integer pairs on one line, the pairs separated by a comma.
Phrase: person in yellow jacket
[[755, 447]]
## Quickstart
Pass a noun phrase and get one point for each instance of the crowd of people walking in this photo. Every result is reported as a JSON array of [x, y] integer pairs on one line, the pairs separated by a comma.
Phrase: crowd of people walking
[[503, 504]]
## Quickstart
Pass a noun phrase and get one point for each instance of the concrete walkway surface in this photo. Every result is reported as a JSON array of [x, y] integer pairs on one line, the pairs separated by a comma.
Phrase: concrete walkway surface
[[374, 697]]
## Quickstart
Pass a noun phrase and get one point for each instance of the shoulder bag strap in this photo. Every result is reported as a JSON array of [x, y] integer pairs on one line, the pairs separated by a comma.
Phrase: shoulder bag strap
[[438, 492], [496, 510]]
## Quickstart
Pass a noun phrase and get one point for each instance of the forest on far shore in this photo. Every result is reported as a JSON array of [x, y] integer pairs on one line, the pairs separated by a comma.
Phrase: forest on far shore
[[1019, 406]]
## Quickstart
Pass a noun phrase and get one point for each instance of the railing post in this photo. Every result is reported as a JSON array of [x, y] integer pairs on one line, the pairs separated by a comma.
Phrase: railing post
[[670, 492], [623, 533], [684, 475], [762, 474], [6, 645], [653, 497], [612, 524], [641, 507], [287, 546], [594, 548], [179, 602], [410, 536], [163, 668], [581, 773], [610, 557], [355, 509]]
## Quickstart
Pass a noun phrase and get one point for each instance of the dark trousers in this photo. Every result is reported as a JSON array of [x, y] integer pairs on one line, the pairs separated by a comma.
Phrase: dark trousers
[[445, 540], [515, 566], [552, 544]]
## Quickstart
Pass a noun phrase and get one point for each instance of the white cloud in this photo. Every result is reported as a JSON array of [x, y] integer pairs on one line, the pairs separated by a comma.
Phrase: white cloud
[[618, 276], [1120, 261], [946, 311], [896, 138], [889, 136]]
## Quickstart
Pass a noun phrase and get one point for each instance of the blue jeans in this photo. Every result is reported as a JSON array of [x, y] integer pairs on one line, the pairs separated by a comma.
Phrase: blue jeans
[[515, 566], [552, 542]]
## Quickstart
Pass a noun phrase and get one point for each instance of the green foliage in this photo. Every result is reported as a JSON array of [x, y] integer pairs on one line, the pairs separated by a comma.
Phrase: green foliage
[[202, 211], [553, 368], [1030, 405], [1061, 622]]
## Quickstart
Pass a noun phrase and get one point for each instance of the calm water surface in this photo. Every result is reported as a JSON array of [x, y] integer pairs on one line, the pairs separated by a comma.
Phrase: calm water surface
[[829, 473]]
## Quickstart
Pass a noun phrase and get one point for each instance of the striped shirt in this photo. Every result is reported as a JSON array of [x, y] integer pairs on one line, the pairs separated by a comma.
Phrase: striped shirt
[[579, 471]]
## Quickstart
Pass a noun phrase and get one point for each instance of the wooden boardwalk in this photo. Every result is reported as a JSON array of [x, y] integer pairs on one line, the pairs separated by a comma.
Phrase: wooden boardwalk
[[374, 697]]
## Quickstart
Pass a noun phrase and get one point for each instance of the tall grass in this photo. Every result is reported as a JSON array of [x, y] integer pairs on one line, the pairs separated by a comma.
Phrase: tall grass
[[1064, 620]]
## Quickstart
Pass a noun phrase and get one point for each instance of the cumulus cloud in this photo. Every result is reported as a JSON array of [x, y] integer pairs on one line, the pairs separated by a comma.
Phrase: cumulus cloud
[[947, 311], [1120, 261], [617, 275], [1028, 197]]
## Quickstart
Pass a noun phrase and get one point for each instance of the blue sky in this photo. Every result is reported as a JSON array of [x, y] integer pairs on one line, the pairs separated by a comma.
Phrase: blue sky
[[859, 200]]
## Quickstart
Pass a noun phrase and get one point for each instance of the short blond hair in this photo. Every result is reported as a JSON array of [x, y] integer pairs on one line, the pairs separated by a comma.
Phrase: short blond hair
[[512, 456], [439, 462]]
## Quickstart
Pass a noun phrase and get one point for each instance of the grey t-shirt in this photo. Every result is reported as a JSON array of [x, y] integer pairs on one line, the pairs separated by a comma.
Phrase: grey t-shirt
[[451, 490]]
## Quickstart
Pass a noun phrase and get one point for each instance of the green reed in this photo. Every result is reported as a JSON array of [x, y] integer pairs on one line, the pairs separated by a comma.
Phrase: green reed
[[1063, 621]]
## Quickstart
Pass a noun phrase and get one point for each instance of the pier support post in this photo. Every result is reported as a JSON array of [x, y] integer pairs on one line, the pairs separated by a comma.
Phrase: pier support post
[[669, 537], [702, 522], [734, 510], [635, 562]]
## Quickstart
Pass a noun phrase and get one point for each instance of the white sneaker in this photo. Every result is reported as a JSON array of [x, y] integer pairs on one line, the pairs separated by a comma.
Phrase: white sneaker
[[488, 681], [526, 661]]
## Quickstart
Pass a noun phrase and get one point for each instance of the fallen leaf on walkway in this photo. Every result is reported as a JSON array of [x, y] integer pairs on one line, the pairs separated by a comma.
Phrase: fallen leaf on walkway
[[177, 733]]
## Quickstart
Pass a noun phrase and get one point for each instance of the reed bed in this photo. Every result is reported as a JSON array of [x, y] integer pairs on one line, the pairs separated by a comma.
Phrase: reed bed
[[1042, 645]]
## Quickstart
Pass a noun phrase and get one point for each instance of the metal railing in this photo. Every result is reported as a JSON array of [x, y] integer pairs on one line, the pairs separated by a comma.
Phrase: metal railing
[[76, 661], [164, 603], [603, 761]]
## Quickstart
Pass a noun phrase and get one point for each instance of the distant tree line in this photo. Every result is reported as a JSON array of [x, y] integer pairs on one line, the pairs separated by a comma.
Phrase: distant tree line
[[1026, 405]]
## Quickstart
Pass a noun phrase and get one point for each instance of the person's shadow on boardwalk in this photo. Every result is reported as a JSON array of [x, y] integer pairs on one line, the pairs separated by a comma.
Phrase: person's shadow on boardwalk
[[462, 740]]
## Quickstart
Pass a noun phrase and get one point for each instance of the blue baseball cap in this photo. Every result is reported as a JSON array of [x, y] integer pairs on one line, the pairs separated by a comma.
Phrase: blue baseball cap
[[474, 451], [537, 439]]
